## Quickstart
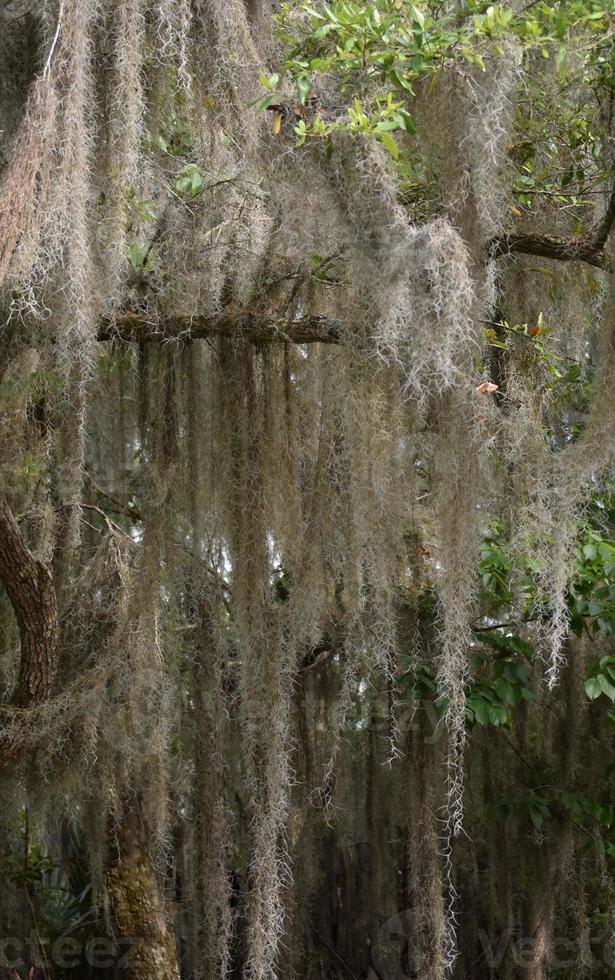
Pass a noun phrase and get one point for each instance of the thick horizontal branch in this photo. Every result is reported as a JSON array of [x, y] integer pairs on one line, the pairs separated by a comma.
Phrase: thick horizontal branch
[[254, 327], [563, 249], [588, 248], [257, 327]]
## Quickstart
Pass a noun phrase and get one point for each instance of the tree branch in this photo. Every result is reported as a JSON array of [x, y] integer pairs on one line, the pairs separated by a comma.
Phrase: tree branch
[[602, 230], [116, 505], [258, 327], [588, 248], [580, 249], [254, 327]]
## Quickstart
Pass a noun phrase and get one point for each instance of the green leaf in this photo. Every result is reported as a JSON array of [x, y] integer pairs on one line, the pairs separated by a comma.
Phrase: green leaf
[[270, 82], [606, 687], [389, 144], [263, 104], [481, 711], [500, 811], [510, 693], [417, 15], [592, 688], [137, 255], [401, 80], [604, 814], [498, 715], [320, 64], [323, 30], [569, 800], [189, 181], [408, 123], [536, 815], [538, 810], [303, 88]]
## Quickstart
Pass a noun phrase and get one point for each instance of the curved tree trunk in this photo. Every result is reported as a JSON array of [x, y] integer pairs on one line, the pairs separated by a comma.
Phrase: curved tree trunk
[[30, 588]]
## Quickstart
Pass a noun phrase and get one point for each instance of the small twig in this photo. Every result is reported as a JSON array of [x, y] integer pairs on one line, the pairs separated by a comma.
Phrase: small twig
[[339, 959], [495, 626], [526, 762], [113, 527], [122, 508], [47, 68]]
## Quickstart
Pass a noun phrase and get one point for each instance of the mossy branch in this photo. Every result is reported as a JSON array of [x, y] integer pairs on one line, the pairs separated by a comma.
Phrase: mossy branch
[[588, 248], [579, 249], [254, 327]]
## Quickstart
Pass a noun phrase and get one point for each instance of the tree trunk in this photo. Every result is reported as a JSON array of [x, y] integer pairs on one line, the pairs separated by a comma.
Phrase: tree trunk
[[29, 586], [145, 937]]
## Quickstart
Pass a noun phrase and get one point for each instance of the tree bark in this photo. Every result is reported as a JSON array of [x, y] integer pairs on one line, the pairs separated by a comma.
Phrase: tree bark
[[145, 937], [589, 248], [30, 589], [580, 249], [273, 327], [253, 326]]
